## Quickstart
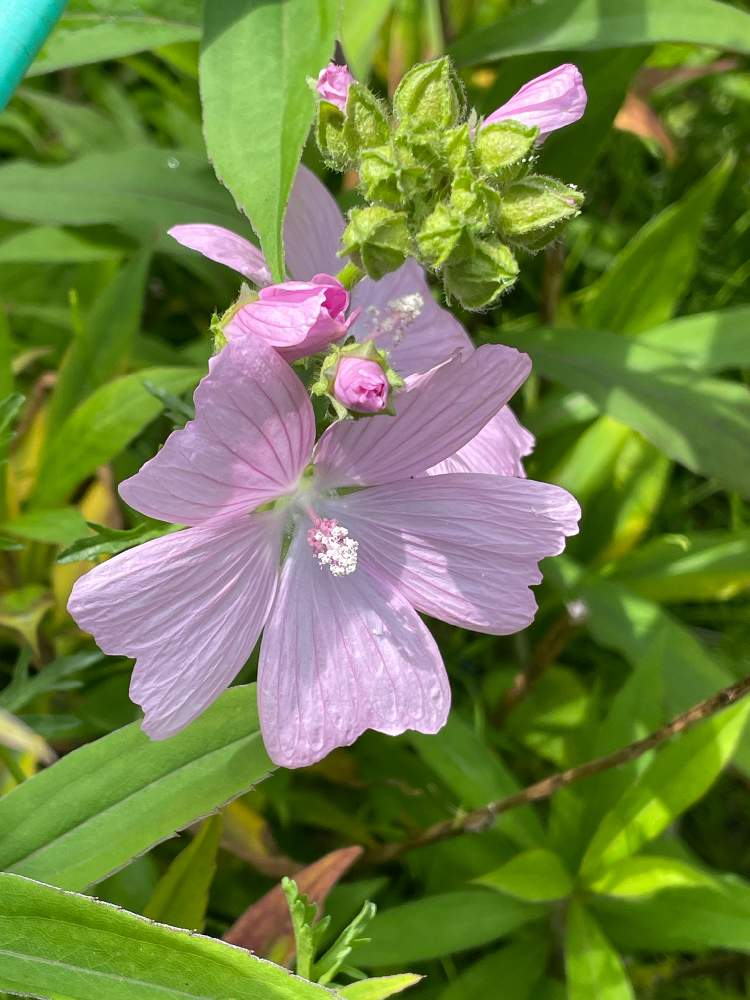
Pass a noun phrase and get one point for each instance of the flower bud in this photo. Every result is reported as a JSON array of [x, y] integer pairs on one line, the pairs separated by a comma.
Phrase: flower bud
[[333, 84], [366, 124], [502, 148], [377, 239], [296, 317], [358, 380], [361, 385], [378, 176], [429, 97], [482, 275], [439, 236], [548, 102], [329, 133], [536, 207]]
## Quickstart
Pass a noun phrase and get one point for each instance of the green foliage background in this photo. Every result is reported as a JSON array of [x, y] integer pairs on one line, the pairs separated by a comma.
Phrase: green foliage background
[[634, 883]]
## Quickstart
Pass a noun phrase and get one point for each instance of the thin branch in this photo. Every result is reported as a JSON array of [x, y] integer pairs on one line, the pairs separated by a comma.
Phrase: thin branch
[[482, 819]]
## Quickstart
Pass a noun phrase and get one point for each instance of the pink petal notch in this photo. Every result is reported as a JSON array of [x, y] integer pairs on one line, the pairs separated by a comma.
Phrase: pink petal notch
[[549, 102], [224, 247]]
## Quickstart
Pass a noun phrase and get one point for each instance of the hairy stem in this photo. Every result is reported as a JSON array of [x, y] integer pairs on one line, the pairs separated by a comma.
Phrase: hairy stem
[[481, 819], [350, 275]]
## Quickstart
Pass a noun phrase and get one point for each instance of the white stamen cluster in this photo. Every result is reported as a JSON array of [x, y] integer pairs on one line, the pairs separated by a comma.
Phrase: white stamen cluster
[[394, 321], [333, 547]]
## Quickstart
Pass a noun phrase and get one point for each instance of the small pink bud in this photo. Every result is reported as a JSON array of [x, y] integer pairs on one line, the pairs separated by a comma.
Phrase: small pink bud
[[549, 102], [333, 84], [361, 385]]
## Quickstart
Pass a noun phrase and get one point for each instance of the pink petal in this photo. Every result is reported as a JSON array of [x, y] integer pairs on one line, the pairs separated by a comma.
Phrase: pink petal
[[189, 607], [548, 102], [415, 346], [225, 247], [438, 415], [498, 449], [251, 438], [463, 548], [341, 655], [312, 228]]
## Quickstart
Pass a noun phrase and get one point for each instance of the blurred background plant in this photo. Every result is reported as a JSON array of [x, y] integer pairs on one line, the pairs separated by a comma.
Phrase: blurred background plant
[[633, 883]]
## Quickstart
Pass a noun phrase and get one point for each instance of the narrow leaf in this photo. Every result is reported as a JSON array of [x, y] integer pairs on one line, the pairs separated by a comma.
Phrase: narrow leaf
[[593, 968]]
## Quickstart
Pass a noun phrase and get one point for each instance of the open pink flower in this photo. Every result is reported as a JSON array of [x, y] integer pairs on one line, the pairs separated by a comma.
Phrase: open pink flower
[[296, 317], [333, 84], [398, 312], [369, 540], [549, 102]]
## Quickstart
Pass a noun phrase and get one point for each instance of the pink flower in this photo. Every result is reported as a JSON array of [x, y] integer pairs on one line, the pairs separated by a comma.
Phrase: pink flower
[[297, 317], [399, 312], [361, 385], [368, 541], [333, 84], [550, 101]]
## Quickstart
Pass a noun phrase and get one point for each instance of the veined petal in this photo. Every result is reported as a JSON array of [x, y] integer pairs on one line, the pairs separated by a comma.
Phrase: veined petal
[[498, 449], [464, 547], [440, 413], [251, 438], [189, 607], [225, 247], [417, 336], [312, 228], [341, 655]]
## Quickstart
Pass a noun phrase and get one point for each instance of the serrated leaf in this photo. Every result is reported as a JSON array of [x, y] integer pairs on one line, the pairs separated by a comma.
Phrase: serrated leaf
[[109, 541]]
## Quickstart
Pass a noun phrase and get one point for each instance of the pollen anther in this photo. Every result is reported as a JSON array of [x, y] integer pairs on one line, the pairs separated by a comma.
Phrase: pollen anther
[[332, 546]]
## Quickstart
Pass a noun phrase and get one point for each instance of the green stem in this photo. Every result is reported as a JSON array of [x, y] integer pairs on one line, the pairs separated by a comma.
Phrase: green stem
[[6, 756], [350, 275]]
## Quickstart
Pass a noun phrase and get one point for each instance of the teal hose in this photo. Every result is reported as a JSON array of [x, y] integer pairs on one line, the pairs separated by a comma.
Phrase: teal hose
[[24, 26]]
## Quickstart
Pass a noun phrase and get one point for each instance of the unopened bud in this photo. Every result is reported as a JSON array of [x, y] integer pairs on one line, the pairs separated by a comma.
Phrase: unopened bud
[[535, 207], [430, 96], [378, 176], [333, 84], [377, 239], [502, 148], [329, 134], [480, 277], [439, 236], [366, 124], [358, 380]]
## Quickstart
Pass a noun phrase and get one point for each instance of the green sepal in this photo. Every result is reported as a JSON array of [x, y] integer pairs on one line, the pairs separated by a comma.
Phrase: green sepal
[[459, 152], [366, 349], [329, 133], [430, 96], [535, 206], [439, 236], [366, 123], [378, 176], [377, 239], [504, 149], [219, 323], [481, 275]]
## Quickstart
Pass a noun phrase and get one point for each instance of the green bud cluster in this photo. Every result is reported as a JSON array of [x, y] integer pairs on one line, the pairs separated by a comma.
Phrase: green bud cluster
[[459, 198]]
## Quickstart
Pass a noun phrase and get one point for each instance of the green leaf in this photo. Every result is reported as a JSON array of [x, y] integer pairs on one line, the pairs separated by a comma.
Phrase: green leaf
[[113, 799], [51, 245], [380, 988], [110, 541], [646, 874], [59, 675], [633, 295], [361, 21], [181, 895], [561, 25], [90, 32], [536, 876], [699, 421], [681, 773], [709, 342], [142, 188], [441, 925], [56, 943], [476, 775], [266, 97], [518, 966], [60, 526], [681, 919], [99, 352], [593, 968], [100, 427]]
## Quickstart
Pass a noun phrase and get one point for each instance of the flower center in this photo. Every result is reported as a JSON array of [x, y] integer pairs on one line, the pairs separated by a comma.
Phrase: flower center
[[332, 546]]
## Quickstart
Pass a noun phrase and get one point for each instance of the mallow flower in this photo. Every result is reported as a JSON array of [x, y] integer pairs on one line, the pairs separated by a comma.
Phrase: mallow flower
[[548, 102], [361, 385], [333, 84], [399, 312], [331, 548]]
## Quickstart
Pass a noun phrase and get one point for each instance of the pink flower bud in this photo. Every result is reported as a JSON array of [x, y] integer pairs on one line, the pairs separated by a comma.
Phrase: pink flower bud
[[333, 84], [361, 385], [551, 101], [296, 317]]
